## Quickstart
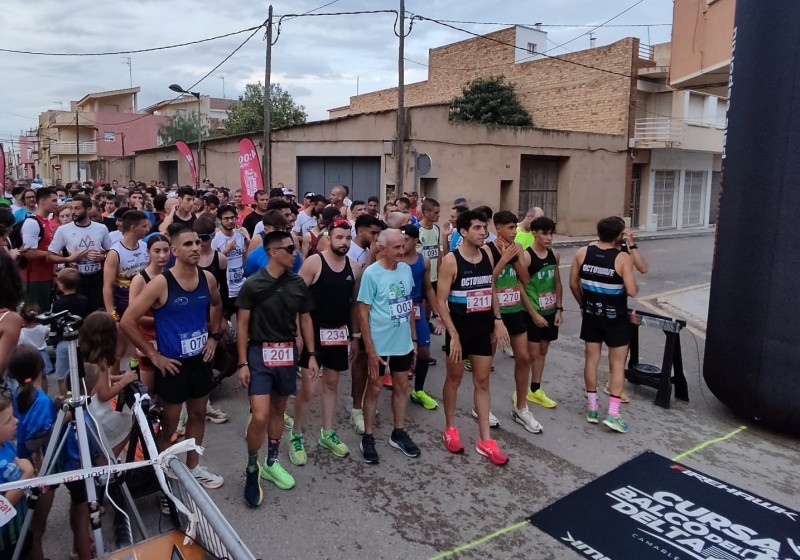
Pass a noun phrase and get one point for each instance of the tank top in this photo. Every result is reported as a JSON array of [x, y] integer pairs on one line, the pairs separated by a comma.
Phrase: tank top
[[418, 273], [541, 288], [312, 245], [217, 273], [603, 289], [131, 263], [508, 291], [333, 295], [428, 245], [181, 323], [148, 332], [471, 290]]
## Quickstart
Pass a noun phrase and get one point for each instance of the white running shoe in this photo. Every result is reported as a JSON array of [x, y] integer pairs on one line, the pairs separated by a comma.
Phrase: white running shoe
[[215, 415], [527, 420], [357, 420], [206, 478], [508, 351], [493, 421]]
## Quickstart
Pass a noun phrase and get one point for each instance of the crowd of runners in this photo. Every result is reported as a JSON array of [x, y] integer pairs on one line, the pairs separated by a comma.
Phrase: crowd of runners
[[180, 288]]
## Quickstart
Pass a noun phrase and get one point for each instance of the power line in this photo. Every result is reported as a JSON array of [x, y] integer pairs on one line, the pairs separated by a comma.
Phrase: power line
[[552, 24], [628, 9]]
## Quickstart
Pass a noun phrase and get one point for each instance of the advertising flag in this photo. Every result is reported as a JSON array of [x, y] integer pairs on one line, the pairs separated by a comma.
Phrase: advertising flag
[[186, 152], [249, 171]]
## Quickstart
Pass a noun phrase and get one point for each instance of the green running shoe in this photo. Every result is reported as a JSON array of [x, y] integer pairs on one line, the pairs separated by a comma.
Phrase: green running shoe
[[278, 475], [288, 422], [538, 397], [592, 417], [424, 400], [297, 453], [331, 442], [617, 424]]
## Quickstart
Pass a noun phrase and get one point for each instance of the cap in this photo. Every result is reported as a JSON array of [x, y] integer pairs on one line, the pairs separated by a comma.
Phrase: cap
[[288, 192], [459, 201], [309, 195], [410, 231]]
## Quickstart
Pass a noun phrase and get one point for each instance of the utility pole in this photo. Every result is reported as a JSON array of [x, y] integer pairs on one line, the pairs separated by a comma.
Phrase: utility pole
[[78, 145], [266, 162], [401, 113]]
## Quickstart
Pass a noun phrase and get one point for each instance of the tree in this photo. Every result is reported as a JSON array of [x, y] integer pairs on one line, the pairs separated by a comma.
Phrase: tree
[[182, 126], [248, 114], [489, 100]]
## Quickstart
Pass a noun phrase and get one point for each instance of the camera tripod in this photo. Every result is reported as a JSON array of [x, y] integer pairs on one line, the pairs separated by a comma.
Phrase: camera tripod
[[67, 326]]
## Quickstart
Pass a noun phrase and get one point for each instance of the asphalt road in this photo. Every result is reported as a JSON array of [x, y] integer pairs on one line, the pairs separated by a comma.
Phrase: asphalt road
[[406, 508]]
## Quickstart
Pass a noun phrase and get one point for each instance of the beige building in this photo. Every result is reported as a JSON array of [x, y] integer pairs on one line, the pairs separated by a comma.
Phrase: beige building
[[213, 110], [579, 176]]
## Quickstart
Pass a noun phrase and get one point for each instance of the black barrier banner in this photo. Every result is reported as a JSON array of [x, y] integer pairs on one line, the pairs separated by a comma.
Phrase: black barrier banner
[[651, 507]]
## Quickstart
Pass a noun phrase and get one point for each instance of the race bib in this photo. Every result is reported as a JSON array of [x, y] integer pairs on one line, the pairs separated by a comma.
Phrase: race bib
[[193, 343], [479, 300], [400, 308], [417, 313], [430, 251], [278, 354], [236, 275], [89, 267], [547, 300], [508, 297], [333, 337]]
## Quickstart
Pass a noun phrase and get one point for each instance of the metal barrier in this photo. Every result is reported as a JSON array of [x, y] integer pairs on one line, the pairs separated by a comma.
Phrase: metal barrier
[[212, 530]]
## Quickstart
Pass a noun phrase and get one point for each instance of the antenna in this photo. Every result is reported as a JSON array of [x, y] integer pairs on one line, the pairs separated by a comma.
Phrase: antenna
[[127, 60], [223, 86], [592, 40]]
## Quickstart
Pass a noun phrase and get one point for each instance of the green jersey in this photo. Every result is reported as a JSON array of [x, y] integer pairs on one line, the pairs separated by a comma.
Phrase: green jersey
[[541, 289], [508, 290], [524, 238]]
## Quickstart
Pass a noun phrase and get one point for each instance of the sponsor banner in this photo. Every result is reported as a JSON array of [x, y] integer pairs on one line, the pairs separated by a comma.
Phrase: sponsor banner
[[651, 507], [3, 162], [249, 171], [186, 152]]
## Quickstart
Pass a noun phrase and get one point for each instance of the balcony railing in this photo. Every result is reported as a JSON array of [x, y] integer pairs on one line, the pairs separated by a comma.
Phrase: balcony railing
[[70, 147], [646, 52], [658, 129]]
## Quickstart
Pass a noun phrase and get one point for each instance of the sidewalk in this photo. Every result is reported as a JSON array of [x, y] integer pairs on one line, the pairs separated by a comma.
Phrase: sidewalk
[[566, 241], [690, 304]]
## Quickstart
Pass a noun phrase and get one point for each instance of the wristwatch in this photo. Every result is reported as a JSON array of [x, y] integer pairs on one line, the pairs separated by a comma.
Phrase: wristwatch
[[632, 247], [312, 354], [240, 366], [216, 336], [498, 317]]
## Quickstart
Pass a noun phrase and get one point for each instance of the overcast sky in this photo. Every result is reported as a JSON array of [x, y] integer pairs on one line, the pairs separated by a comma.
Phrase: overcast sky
[[319, 60]]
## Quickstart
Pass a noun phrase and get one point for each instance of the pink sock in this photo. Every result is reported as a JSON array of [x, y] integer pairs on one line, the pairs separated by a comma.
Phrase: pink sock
[[592, 396], [613, 406]]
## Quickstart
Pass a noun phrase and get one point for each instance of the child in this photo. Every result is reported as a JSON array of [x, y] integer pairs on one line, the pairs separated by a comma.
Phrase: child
[[12, 469], [77, 304], [36, 335]]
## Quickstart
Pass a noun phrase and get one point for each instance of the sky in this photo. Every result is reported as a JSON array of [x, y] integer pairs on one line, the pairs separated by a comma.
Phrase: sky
[[321, 61]]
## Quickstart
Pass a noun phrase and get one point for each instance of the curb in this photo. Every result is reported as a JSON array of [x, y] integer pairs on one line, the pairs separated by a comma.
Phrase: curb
[[640, 239]]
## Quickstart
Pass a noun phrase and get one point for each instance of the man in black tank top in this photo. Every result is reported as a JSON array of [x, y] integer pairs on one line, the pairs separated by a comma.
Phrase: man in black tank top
[[332, 278], [470, 312], [601, 279]]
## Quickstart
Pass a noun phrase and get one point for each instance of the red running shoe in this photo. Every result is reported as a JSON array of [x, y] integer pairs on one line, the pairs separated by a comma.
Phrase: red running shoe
[[488, 448], [387, 381], [452, 441]]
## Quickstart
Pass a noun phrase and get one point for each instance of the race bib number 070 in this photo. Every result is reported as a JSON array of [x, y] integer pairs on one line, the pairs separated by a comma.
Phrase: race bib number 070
[[479, 300], [193, 343], [278, 354]]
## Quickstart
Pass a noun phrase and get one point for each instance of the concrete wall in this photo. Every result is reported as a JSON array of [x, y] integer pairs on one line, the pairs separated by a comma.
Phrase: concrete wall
[[702, 32], [681, 161]]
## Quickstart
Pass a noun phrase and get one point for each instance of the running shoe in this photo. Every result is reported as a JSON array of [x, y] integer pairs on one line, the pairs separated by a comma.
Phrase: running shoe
[[592, 416], [402, 441], [331, 442], [527, 420], [368, 452], [357, 420], [215, 415], [424, 400], [508, 351], [452, 441], [623, 398], [493, 421], [468, 364], [538, 397], [288, 422], [253, 493], [617, 424], [206, 477], [432, 362], [277, 475], [297, 453], [387, 381], [488, 448], [247, 425]]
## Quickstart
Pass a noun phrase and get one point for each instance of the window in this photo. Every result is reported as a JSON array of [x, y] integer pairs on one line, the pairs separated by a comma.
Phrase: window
[[109, 137], [694, 199], [696, 109], [532, 48], [664, 192]]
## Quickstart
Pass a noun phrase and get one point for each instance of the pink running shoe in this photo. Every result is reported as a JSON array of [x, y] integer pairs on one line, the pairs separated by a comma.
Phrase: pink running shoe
[[488, 448], [452, 441]]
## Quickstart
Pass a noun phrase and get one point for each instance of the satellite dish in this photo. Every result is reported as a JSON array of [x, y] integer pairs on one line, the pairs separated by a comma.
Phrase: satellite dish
[[424, 164]]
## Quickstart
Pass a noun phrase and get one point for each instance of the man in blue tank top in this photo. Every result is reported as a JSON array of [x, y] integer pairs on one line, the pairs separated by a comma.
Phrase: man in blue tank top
[[602, 279], [184, 301]]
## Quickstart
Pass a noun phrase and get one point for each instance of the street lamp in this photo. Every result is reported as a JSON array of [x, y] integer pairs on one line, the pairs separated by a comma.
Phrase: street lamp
[[178, 89]]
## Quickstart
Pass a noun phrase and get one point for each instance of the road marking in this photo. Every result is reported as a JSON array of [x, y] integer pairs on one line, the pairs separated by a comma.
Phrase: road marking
[[673, 292], [658, 311], [705, 444]]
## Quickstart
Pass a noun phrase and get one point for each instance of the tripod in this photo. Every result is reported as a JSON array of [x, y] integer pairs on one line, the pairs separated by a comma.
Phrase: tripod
[[67, 327]]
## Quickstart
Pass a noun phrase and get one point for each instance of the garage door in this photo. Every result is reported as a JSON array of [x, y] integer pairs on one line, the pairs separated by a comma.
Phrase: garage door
[[321, 174]]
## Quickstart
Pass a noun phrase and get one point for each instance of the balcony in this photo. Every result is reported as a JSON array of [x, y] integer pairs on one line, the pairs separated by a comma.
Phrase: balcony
[[69, 148], [665, 132]]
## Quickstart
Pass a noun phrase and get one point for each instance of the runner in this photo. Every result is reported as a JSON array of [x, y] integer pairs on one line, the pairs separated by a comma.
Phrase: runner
[[430, 236], [362, 248], [126, 258], [268, 356], [509, 274], [544, 292], [37, 233], [384, 312], [181, 299], [183, 212], [231, 242], [87, 243], [332, 278], [471, 313], [423, 291], [524, 234], [251, 220], [601, 280]]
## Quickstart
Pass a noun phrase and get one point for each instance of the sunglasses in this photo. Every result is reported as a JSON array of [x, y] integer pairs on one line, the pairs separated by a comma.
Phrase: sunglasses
[[289, 249], [205, 236]]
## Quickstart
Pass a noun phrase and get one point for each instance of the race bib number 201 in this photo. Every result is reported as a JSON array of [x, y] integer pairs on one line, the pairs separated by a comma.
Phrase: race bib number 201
[[278, 354], [479, 300]]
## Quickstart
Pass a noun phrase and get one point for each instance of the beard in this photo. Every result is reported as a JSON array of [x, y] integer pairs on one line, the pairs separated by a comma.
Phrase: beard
[[341, 251]]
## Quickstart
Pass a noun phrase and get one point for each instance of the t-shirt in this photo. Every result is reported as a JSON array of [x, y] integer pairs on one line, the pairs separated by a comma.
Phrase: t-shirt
[[20, 214], [38, 270], [35, 424], [235, 259], [455, 241], [358, 254], [249, 223], [274, 319], [388, 293], [524, 238], [258, 259], [75, 238], [304, 223], [36, 336]]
